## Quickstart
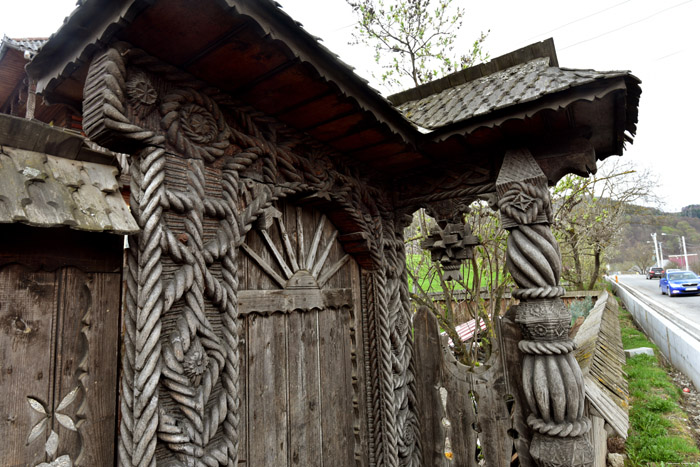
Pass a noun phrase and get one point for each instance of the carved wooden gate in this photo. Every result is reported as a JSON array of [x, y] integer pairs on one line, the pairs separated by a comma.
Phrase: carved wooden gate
[[298, 306]]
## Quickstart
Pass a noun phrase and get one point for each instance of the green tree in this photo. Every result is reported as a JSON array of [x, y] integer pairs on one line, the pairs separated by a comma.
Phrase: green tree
[[414, 39], [477, 296]]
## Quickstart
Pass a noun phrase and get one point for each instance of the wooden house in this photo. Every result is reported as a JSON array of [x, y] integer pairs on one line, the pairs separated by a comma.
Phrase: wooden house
[[266, 317]]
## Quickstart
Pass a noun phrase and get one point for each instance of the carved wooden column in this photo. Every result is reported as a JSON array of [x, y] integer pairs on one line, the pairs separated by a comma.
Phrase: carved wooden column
[[552, 381]]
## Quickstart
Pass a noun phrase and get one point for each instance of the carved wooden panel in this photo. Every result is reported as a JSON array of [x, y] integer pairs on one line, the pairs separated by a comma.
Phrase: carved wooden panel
[[299, 305], [206, 171], [59, 337]]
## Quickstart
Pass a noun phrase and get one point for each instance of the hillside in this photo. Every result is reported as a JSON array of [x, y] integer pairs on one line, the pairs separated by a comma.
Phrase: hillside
[[636, 249]]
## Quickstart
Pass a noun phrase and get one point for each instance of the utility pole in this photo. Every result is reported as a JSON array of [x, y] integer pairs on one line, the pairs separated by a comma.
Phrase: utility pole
[[656, 251], [685, 253]]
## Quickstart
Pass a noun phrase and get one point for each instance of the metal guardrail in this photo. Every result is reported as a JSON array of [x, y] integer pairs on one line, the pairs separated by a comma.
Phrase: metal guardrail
[[677, 338]]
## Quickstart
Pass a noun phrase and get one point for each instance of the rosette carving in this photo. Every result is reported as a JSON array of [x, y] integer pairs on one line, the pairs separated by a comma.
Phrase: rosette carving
[[194, 124], [141, 93]]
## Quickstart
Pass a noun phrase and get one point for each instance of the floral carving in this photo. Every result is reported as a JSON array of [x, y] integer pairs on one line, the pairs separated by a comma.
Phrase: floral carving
[[141, 93], [194, 124], [51, 445], [195, 363]]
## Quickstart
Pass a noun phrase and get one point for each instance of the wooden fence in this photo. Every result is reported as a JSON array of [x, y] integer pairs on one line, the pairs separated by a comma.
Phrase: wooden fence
[[470, 414], [477, 416]]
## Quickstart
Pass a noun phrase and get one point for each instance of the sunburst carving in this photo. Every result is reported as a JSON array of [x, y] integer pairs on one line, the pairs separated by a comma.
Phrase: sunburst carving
[[304, 270]]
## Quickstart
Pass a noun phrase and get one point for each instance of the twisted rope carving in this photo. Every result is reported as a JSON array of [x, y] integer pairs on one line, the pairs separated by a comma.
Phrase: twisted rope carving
[[389, 453], [533, 260], [452, 194], [409, 448], [373, 408], [539, 292], [553, 387], [147, 347], [126, 427], [562, 430], [231, 329], [546, 347]]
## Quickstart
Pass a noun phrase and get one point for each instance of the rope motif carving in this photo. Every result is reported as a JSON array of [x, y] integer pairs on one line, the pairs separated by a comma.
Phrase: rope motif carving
[[147, 346], [546, 348], [453, 194], [539, 292], [533, 257], [195, 366], [552, 380], [126, 428], [373, 395]]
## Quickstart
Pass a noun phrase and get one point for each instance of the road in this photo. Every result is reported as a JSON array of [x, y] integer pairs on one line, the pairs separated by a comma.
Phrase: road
[[684, 311]]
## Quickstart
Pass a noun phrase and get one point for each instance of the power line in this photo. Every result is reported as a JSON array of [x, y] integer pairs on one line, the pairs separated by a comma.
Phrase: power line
[[576, 21], [627, 25]]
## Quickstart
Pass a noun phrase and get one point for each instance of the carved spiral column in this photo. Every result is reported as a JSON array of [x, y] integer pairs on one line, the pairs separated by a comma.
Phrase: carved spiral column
[[552, 380]]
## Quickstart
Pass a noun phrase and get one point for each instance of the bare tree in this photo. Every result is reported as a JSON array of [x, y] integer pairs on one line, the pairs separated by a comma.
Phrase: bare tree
[[589, 216]]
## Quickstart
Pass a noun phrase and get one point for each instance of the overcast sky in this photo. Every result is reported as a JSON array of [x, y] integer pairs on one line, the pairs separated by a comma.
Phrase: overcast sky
[[658, 41]]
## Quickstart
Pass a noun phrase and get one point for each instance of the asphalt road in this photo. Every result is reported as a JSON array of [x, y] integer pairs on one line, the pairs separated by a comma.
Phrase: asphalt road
[[684, 310]]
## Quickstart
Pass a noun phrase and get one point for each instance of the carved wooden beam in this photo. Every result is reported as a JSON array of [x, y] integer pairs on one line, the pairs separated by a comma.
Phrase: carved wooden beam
[[570, 155], [552, 381]]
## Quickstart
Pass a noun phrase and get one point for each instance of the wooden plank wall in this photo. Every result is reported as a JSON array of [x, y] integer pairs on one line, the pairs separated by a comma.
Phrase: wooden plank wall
[[59, 344]]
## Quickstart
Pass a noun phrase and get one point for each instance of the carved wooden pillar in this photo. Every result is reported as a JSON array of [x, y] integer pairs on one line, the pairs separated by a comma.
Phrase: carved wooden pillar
[[552, 381]]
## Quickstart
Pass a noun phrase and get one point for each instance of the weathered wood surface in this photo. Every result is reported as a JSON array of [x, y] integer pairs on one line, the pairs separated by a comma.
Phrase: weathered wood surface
[[601, 356], [470, 407], [58, 351], [302, 396]]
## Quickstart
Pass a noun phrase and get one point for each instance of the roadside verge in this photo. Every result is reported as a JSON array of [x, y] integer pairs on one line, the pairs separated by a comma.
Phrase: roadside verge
[[679, 345]]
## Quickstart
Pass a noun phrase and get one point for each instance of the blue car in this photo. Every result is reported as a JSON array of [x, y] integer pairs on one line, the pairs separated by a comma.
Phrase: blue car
[[679, 283]]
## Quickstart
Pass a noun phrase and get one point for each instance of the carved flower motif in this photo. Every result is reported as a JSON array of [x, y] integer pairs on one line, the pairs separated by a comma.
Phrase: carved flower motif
[[51, 445], [198, 124], [195, 363], [141, 93], [194, 124], [63, 461]]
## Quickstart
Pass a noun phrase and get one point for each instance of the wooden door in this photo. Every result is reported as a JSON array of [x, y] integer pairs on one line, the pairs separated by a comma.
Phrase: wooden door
[[299, 303]]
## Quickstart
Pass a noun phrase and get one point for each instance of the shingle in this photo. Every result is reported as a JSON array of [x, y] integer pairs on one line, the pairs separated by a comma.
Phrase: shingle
[[520, 83], [45, 190]]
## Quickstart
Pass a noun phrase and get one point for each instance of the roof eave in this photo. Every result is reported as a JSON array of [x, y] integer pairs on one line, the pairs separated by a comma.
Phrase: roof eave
[[96, 22], [560, 100], [93, 23]]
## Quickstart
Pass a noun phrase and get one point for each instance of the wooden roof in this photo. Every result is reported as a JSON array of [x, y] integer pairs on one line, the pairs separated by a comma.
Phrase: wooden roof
[[12, 63], [602, 358], [50, 177], [255, 52]]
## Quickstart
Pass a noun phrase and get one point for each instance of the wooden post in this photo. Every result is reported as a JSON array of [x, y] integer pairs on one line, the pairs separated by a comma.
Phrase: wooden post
[[552, 380]]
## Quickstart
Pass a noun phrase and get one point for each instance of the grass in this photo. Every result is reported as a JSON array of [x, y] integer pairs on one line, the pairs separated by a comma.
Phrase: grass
[[658, 433]]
